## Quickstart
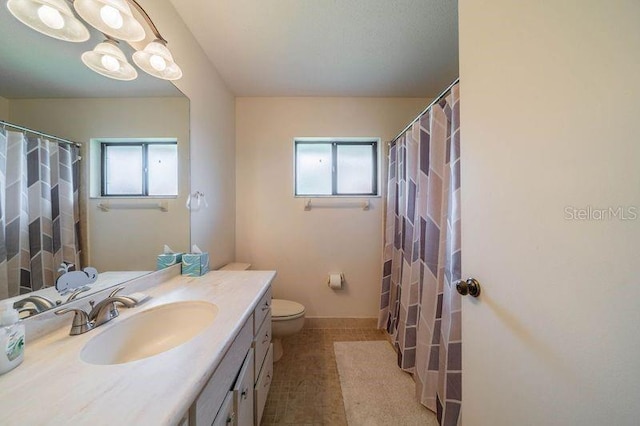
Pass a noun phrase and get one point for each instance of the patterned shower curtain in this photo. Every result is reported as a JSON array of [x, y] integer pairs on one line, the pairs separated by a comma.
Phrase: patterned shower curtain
[[420, 308], [39, 212]]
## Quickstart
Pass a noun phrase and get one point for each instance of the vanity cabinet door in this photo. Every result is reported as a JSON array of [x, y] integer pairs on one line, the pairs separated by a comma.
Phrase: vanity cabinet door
[[227, 414], [263, 385], [261, 342], [204, 409], [243, 393], [262, 309]]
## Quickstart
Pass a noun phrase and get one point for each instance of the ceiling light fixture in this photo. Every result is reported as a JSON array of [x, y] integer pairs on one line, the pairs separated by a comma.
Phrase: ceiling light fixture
[[107, 59], [50, 17], [115, 19], [156, 60]]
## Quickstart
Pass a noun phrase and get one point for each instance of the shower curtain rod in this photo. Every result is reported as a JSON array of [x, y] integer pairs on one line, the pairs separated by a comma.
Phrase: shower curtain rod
[[433, 102], [35, 132]]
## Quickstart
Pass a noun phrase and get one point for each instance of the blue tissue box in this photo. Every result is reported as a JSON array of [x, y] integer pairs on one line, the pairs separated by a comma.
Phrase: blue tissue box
[[195, 264], [166, 260]]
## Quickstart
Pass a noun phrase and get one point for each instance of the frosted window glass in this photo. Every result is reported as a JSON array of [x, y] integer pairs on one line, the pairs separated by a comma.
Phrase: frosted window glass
[[313, 166], [123, 170], [163, 169], [355, 169]]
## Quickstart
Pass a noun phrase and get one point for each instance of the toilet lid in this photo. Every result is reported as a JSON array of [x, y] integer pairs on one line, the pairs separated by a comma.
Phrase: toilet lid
[[285, 308]]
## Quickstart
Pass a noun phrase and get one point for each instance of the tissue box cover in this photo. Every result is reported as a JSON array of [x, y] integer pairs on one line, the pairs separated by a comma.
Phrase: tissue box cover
[[166, 260], [195, 264]]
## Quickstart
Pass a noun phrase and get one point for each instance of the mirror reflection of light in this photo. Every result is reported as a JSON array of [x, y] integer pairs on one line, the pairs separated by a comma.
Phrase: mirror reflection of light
[[111, 16], [50, 17], [158, 63], [110, 63]]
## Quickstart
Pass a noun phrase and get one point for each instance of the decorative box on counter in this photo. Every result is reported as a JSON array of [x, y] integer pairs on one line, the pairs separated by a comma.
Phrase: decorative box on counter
[[170, 259], [195, 264]]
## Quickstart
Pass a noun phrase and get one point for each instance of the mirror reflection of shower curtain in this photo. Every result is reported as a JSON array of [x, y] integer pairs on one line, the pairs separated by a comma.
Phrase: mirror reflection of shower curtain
[[39, 211], [419, 306]]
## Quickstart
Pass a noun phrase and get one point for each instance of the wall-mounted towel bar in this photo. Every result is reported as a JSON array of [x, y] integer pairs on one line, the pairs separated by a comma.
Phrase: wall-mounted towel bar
[[105, 206], [364, 205]]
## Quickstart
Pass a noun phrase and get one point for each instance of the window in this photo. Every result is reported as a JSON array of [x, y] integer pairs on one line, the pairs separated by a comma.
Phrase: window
[[139, 169], [336, 167]]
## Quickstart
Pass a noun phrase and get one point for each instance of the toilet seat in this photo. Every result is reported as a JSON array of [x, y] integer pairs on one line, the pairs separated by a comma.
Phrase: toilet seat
[[284, 310]]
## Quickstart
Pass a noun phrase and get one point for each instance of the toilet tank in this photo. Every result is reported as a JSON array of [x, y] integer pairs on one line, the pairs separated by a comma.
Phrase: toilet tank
[[236, 266]]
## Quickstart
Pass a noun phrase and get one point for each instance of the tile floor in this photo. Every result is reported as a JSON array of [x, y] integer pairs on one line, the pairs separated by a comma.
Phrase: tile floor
[[306, 386]]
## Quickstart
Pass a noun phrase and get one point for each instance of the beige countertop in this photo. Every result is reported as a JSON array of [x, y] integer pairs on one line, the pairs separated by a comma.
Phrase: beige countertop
[[53, 386]]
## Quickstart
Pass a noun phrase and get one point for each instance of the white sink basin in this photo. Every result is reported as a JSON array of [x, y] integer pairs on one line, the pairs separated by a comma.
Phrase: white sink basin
[[149, 333]]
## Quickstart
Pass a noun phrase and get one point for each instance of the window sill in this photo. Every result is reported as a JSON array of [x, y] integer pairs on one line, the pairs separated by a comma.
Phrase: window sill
[[337, 196], [134, 197]]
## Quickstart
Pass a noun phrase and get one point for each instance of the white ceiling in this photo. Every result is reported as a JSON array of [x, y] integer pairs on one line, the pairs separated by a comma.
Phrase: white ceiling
[[328, 47]]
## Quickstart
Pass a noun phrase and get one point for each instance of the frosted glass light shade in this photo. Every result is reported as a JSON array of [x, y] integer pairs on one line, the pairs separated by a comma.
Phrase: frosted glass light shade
[[157, 60], [112, 17], [50, 17], [108, 60]]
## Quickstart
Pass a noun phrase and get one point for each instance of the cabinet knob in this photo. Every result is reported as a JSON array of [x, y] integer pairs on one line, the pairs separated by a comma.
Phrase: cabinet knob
[[243, 394]]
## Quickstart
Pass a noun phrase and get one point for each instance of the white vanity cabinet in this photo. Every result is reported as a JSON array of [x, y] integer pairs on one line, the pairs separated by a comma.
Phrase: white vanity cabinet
[[263, 364], [243, 393], [236, 392], [227, 413]]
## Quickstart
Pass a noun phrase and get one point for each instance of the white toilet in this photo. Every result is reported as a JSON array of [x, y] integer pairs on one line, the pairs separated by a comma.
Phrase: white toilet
[[287, 318]]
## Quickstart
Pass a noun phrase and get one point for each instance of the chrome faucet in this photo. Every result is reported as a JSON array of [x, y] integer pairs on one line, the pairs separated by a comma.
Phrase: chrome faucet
[[41, 303], [106, 309], [101, 312]]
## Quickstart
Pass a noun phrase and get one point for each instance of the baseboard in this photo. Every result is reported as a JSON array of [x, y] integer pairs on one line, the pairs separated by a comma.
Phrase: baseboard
[[364, 323]]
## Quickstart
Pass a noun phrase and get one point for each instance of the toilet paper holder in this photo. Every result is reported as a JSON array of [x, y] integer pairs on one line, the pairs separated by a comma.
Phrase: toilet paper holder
[[335, 281]]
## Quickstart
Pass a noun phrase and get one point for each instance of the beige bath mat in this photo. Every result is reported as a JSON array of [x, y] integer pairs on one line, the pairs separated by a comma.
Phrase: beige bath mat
[[375, 391]]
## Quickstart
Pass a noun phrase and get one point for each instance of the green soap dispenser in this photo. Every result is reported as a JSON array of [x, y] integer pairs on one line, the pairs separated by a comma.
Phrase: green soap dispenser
[[11, 338]]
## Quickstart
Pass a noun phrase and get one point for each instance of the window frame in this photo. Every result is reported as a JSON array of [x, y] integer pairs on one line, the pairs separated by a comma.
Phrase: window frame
[[145, 167], [335, 142]]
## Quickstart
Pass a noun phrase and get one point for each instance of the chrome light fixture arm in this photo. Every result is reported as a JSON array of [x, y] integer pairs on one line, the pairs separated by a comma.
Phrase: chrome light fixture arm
[[148, 20], [115, 19]]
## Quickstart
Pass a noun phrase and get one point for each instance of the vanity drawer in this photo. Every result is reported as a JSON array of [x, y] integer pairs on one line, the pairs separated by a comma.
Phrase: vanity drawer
[[243, 393], [261, 343], [263, 385], [204, 409], [226, 416], [261, 311]]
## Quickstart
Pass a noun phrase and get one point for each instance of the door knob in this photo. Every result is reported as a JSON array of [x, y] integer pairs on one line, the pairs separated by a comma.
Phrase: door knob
[[471, 287]]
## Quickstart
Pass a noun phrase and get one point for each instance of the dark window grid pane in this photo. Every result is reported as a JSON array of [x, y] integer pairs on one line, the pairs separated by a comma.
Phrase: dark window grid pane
[[162, 169], [313, 169], [144, 166], [355, 169], [301, 146], [123, 169]]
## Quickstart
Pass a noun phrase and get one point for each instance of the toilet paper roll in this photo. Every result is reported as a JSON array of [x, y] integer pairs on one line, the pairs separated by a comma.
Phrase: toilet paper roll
[[335, 281]]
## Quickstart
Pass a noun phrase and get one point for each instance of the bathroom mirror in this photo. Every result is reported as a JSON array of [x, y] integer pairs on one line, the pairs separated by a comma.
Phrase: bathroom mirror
[[44, 86]]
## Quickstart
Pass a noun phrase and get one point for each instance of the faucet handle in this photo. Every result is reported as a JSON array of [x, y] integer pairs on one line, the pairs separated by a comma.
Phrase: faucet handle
[[76, 292], [80, 324], [113, 293]]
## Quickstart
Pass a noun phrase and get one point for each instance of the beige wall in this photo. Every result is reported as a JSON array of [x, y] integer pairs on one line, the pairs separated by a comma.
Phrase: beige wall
[[212, 135], [273, 230], [121, 239], [549, 103], [4, 109]]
